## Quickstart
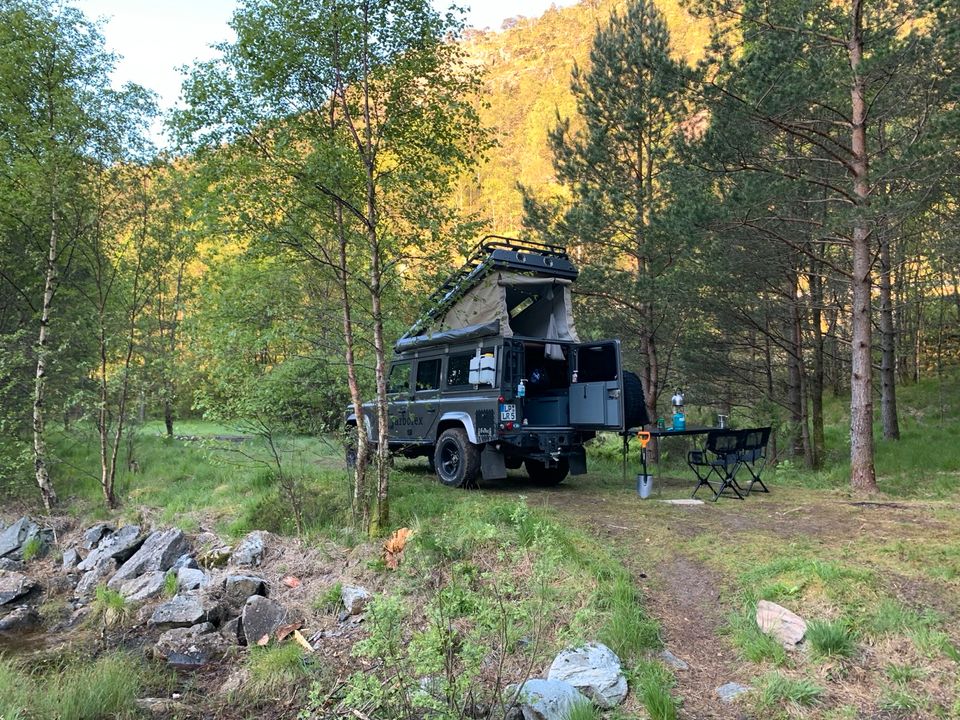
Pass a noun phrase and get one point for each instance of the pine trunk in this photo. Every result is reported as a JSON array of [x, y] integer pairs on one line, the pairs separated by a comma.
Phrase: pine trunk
[[862, 472], [888, 347]]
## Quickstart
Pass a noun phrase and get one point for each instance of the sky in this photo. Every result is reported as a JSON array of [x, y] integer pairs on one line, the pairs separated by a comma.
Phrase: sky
[[153, 38]]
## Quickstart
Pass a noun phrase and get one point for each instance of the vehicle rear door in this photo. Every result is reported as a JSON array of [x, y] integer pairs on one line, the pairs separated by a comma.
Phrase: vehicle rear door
[[596, 398]]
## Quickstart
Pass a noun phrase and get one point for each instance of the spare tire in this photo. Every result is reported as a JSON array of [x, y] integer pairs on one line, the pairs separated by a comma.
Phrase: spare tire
[[634, 405]]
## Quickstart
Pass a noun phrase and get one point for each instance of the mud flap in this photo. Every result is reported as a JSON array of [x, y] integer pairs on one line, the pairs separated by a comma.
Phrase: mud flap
[[578, 461], [492, 466]]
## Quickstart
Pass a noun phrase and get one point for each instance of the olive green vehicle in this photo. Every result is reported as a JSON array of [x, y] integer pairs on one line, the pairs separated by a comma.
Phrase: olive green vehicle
[[494, 377]]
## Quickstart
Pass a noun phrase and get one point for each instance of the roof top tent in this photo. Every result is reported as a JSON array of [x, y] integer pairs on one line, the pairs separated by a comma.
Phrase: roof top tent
[[506, 287]]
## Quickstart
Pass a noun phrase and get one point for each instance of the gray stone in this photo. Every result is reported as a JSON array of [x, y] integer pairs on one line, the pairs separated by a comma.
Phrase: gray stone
[[158, 552], [13, 538], [216, 557], [20, 619], [594, 669], [261, 617], [11, 564], [92, 578], [673, 661], [118, 546], [775, 620], [250, 550], [237, 588], [181, 611], [546, 699], [230, 631], [354, 598], [71, 558], [14, 585], [731, 690], [185, 561], [93, 536], [149, 585], [191, 578], [683, 501], [195, 645]]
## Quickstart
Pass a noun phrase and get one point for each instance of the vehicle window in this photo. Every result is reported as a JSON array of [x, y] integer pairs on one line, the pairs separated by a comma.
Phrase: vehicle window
[[428, 374], [458, 370], [399, 379]]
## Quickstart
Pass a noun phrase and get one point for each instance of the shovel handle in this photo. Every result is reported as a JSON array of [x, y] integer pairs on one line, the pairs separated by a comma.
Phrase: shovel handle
[[644, 437]]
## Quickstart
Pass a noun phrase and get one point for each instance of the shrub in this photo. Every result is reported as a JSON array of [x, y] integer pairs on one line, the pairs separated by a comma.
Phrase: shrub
[[830, 638]]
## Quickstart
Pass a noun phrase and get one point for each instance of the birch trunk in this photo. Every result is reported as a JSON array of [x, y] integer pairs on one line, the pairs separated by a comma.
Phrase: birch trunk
[[39, 441]]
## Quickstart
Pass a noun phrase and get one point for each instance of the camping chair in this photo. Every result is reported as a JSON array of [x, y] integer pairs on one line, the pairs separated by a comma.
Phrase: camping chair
[[720, 457], [753, 455]]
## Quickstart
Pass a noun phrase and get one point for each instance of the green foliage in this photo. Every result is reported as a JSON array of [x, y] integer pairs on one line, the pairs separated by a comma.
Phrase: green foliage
[[752, 643], [329, 600], [831, 638], [628, 630], [583, 711], [109, 607], [90, 690], [170, 583]]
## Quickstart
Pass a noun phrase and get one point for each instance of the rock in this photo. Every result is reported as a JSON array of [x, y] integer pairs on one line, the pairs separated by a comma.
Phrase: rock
[[237, 679], [161, 707], [93, 536], [673, 661], [185, 561], [237, 588], [11, 564], [787, 627], [118, 546], [158, 552], [250, 550], [231, 632], [546, 699], [181, 611], [683, 501], [20, 619], [191, 578], [148, 585], [594, 669], [71, 558], [354, 599], [731, 690], [98, 576], [260, 617], [14, 585], [192, 646], [14, 537]]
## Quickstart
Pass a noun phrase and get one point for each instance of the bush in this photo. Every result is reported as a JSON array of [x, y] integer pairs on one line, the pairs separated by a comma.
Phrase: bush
[[830, 638]]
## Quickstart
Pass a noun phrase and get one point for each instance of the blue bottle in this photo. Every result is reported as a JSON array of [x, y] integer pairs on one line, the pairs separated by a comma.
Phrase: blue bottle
[[679, 421]]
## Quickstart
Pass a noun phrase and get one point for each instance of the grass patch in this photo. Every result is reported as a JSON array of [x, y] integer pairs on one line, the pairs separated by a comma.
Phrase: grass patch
[[652, 682], [890, 616], [170, 583], [32, 549], [109, 607], [104, 688], [628, 629], [777, 690], [752, 643], [900, 700], [583, 711], [329, 600], [830, 638], [277, 669]]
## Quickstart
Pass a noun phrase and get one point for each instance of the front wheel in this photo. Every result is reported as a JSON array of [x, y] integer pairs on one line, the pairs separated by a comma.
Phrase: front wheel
[[457, 459], [543, 475]]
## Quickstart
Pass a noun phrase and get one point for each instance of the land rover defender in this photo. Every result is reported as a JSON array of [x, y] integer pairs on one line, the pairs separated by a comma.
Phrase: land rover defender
[[493, 376]]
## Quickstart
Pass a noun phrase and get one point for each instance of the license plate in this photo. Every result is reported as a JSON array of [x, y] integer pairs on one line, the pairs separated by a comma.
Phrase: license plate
[[508, 412]]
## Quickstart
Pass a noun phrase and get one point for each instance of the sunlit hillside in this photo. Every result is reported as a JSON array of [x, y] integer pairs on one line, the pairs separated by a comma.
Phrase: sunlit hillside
[[528, 66]]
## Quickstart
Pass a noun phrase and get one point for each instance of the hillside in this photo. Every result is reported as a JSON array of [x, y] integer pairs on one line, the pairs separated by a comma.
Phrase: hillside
[[528, 66]]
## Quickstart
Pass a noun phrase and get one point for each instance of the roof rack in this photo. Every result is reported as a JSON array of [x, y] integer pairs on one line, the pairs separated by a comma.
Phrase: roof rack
[[494, 252]]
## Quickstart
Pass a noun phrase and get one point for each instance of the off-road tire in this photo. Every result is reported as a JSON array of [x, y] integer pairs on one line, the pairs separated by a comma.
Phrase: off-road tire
[[543, 475], [634, 405], [457, 460]]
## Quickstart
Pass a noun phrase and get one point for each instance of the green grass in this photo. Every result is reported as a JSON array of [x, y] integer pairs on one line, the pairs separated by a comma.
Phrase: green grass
[[900, 700], [108, 607], [830, 638], [776, 689], [328, 601], [170, 583], [652, 682], [628, 630], [904, 674], [85, 690], [277, 669], [751, 642], [583, 711], [32, 549]]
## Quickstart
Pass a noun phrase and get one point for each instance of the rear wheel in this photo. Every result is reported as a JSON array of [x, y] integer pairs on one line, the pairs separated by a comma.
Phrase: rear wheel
[[543, 475], [457, 459], [634, 405]]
